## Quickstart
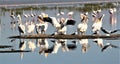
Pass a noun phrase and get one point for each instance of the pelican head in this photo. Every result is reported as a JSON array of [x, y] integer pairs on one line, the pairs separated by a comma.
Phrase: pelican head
[[86, 13], [18, 16], [62, 13], [110, 10], [70, 13], [98, 11], [40, 17], [44, 15]]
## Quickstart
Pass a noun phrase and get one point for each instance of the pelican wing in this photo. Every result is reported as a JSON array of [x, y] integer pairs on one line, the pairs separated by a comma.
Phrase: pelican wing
[[115, 31], [21, 28], [70, 22], [105, 31], [104, 48], [47, 19], [114, 46]]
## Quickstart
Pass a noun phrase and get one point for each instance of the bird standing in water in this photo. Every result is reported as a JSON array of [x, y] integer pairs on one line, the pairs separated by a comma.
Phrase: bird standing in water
[[21, 26], [82, 26], [96, 27]]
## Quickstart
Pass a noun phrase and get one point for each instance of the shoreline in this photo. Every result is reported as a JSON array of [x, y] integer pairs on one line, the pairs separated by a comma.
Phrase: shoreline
[[56, 3]]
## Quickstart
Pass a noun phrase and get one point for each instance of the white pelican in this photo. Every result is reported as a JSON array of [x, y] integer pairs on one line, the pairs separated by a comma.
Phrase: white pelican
[[82, 27], [42, 26], [30, 27], [21, 27], [51, 20], [63, 28], [85, 46], [99, 42], [108, 45], [31, 45], [70, 20], [97, 25]]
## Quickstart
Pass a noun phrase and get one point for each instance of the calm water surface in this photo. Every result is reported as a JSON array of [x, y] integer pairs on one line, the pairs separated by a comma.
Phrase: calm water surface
[[92, 56]]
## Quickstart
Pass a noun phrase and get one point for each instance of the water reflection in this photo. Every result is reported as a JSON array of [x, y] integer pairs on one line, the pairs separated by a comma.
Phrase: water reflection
[[47, 47]]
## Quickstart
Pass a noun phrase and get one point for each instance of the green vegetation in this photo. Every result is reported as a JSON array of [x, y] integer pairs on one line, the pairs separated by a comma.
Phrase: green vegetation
[[79, 7]]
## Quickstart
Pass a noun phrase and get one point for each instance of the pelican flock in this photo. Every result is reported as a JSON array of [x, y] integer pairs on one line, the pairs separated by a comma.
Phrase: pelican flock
[[38, 24]]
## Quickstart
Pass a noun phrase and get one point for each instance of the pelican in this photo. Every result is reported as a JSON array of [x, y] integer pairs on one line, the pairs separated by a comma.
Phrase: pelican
[[82, 27], [70, 20], [63, 28], [30, 27], [108, 45], [21, 27], [42, 26], [99, 42], [31, 45], [51, 20], [97, 25], [85, 46]]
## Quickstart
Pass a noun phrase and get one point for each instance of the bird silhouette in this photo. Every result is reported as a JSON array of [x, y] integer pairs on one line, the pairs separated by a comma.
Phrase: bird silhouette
[[108, 45], [109, 32]]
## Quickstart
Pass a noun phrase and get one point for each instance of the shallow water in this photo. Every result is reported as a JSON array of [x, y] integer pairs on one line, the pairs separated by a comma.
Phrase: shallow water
[[92, 56]]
